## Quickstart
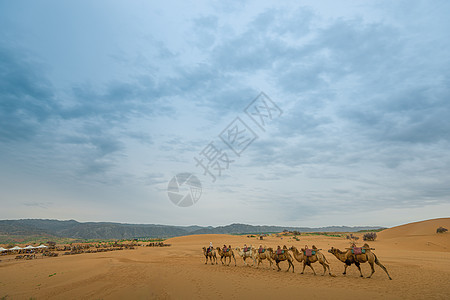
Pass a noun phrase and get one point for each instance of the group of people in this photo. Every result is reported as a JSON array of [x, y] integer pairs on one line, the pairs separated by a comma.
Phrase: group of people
[[224, 248]]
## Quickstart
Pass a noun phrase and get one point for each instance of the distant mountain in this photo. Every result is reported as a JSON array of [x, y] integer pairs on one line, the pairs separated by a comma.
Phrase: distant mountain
[[106, 230], [244, 228]]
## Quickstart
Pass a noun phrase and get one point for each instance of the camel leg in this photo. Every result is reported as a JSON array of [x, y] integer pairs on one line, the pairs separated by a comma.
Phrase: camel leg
[[279, 269], [381, 266], [345, 269], [291, 263], [372, 267], [234, 260], [304, 266], [289, 266], [329, 270], [324, 268], [312, 269], [359, 268]]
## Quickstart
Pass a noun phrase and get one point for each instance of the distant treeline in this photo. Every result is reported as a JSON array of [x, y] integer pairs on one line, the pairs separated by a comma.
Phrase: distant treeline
[[106, 230]]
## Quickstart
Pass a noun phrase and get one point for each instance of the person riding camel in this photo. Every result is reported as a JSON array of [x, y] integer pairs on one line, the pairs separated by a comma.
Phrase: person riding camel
[[279, 251], [225, 248], [261, 249], [210, 247], [245, 248]]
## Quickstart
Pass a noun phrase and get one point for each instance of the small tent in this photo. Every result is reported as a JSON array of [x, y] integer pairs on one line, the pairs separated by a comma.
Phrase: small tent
[[15, 248], [3, 249], [29, 247], [41, 246]]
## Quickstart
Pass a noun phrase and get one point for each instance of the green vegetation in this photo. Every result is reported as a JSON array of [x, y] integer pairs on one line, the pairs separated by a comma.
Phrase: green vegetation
[[372, 230], [370, 236], [325, 234]]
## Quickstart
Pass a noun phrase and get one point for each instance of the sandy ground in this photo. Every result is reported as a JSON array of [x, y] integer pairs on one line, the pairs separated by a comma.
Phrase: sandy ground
[[417, 258]]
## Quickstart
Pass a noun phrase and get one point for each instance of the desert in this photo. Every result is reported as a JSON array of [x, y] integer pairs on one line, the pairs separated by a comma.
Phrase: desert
[[417, 258]]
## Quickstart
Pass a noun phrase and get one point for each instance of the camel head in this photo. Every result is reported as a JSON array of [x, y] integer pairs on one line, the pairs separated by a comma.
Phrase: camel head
[[332, 250], [293, 248], [366, 246]]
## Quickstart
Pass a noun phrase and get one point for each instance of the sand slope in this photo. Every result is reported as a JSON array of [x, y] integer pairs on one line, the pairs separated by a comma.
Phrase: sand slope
[[418, 236], [427, 228], [179, 272]]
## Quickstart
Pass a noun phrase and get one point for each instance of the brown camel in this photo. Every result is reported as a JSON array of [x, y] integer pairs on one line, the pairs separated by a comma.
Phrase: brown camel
[[281, 257], [348, 262], [308, 260], [228, 254], [348, 258], [211, 255], [267, 254]]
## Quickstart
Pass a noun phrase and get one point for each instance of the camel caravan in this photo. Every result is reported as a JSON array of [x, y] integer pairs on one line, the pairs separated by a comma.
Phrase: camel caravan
[[306, 256]]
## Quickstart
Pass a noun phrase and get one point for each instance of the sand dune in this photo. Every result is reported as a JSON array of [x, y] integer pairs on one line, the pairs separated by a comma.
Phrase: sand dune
[[427, 227], [179, 272], [420, 236]]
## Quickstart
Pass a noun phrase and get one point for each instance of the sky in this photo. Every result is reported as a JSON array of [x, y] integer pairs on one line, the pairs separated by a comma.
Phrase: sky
[[302, 113]]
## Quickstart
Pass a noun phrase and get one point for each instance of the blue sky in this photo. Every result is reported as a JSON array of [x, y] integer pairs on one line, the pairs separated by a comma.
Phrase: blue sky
[[102, 103]]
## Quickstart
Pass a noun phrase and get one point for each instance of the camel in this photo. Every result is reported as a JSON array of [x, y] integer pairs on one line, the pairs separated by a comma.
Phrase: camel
[[348, 262], [348, 258], [281, 257], [211, 255], [267, 254], [249, 254], [228, 254], [308, 260]]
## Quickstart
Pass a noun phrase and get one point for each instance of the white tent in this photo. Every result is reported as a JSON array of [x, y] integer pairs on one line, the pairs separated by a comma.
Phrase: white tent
[[15, 248], [29, 247], [41, 246], [3, 249]]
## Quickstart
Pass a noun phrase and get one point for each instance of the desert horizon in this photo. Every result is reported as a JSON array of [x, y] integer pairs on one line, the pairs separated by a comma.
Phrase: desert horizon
[[175, 268]]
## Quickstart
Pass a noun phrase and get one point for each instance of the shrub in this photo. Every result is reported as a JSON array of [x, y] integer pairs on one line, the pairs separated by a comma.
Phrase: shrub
[[441, 229], [352, 237], [370, 236]]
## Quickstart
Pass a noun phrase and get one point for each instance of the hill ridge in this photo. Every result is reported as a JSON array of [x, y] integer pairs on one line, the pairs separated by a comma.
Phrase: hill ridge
[[112, 230]]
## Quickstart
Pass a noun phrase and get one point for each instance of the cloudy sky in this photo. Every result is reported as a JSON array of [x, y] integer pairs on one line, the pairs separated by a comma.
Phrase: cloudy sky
[[103, 102]]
